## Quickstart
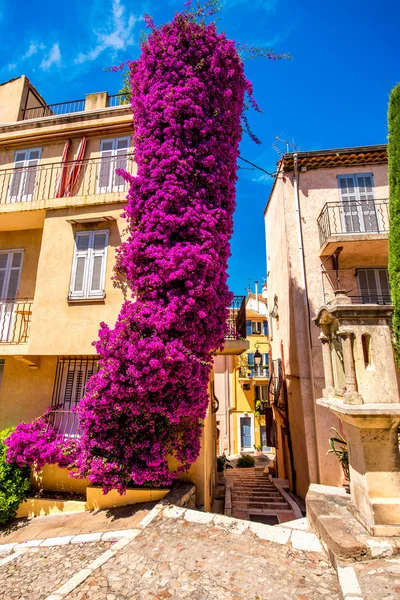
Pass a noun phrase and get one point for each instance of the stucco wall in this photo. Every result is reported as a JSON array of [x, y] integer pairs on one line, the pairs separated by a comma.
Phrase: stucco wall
[[25, 393], [30, 241], [290, 334], [60, 327]]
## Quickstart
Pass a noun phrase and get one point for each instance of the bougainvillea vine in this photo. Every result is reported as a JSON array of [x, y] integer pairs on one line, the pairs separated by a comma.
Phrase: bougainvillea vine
[[148, 399]]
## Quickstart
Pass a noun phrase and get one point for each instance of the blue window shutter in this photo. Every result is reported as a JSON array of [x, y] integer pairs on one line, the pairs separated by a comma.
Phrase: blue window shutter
[[265, 359], [250, 359], [248, 328], [265, 327]]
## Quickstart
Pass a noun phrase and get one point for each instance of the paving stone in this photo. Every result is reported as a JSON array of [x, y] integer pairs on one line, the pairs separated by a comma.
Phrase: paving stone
[[303, 540], [179, 559], [39, 572]]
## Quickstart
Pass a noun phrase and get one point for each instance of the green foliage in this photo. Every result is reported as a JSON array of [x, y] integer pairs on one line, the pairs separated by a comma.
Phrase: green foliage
[[245, 461], [394, 208], [126, 87], [221, 463], [257, 447], [14, 482], [340, 451]]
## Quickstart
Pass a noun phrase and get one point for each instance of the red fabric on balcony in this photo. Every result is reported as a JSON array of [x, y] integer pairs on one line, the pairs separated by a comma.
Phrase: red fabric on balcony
[[75, 170], [62, 177]]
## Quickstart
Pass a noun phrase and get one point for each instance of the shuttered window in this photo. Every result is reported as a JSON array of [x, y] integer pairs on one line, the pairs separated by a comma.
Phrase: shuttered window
[[72, 376], [114, 155], [23, 180], [89, 264], [10, 272], [358, 203], [373, 286], [256, 327]]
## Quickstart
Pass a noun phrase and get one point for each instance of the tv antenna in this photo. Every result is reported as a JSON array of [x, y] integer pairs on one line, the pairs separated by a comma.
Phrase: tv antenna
[[288, 145]]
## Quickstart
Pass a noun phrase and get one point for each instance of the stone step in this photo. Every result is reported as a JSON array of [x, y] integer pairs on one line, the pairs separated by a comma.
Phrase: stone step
[[251, 505], [259, 497], [264, 500]]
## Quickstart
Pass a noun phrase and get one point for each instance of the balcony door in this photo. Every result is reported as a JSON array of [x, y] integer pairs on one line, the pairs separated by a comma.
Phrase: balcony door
[[10, 273], [358, 210], [114, 155], [24, 175]]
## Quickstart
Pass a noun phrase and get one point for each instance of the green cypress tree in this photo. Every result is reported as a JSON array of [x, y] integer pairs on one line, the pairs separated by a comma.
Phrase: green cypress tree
[[394, 208]]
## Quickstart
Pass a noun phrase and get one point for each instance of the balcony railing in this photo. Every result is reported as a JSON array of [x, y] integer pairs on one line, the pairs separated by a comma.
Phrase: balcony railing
[[237, 319], [65, 422], [117, 100], [15, 321], [351, 217], [60, 180], [383, 299], [261, 372], [62, 108]]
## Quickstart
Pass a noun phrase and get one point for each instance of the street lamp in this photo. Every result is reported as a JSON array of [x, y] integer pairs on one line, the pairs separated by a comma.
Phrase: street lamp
[[257, 357]]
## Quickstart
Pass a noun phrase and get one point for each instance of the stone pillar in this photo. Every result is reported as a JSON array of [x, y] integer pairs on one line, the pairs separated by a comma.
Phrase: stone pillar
[[98, 100], [374, 462], [350, 396], [327, 360]]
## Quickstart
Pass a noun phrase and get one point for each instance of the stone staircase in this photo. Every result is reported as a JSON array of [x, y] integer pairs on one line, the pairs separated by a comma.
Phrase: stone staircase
[[252, 495]]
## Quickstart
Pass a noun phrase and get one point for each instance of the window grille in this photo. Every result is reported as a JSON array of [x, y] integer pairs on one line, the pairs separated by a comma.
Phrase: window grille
[[72, 376]]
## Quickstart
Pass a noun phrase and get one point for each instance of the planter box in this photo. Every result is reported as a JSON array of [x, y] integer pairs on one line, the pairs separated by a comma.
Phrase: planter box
[[95, 498], [54, 479]]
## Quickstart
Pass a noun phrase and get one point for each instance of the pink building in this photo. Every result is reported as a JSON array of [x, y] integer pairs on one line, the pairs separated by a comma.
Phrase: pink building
[[327, 222]]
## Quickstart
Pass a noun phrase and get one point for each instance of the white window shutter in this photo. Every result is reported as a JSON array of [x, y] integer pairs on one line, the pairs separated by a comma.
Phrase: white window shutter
[[367, 202], [80, 265], [15, 272], [3, 273], [98, 263], [121, 162], [350, 207], [17, 176], [106, 165]]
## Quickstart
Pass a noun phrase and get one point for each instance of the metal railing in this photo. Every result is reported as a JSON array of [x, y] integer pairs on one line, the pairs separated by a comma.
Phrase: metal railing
[[237, 319], [383, 299], [15, 320], [118, 100], [249, 372], [80, 178], [65, 422], [351, 217], [48, 110]]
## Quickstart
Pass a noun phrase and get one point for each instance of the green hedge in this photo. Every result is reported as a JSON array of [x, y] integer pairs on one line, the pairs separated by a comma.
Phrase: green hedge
[[394, 207], [14, 482]]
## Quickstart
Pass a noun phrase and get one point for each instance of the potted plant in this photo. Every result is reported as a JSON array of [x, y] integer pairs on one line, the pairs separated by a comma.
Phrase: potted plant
[[257, 449], [338, 446]]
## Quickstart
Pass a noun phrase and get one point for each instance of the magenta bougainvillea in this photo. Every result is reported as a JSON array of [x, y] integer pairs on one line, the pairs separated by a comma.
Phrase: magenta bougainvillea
[[39, 443], [150, 395]]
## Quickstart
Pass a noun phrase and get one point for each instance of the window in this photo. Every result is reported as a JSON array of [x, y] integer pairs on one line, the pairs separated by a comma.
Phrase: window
[[373, 286], [23, 180], [114, 155], [261, 392], [89, 264], [72, 375], [256, 327], [358, 202], [10, 273]]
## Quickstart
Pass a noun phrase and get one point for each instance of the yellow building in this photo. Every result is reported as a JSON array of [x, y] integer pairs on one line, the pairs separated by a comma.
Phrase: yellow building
[[241, 384], [60, 225]]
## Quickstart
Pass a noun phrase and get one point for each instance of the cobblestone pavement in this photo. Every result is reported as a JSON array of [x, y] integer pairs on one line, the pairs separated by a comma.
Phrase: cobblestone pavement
[[178, 558], [37, 572], [379, 579]]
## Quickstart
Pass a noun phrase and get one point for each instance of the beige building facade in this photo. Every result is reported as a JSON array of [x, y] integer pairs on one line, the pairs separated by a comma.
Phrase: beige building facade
[[61, 204], [327, 223]]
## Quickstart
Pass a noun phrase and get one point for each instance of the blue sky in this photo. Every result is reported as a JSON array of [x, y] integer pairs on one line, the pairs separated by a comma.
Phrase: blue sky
[[346, 58]]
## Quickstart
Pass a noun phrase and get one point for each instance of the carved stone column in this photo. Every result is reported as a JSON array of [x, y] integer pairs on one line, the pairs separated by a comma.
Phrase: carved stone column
[[327, 360], [350, 396]]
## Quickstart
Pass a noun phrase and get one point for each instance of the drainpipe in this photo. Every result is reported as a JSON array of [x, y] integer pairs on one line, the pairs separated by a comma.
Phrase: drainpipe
[[305, 302]]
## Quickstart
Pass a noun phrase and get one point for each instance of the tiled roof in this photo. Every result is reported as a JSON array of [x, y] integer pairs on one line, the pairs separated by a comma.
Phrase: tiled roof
[[340, 157]]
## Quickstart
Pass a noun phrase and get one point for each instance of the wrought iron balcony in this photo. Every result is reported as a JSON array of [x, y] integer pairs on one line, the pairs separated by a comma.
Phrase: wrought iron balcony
[[66, 108], [237, 319], [65, 422], [353, 217], [382, 299], [48, 110], [15, 321], [62, 180], [248, 372]]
